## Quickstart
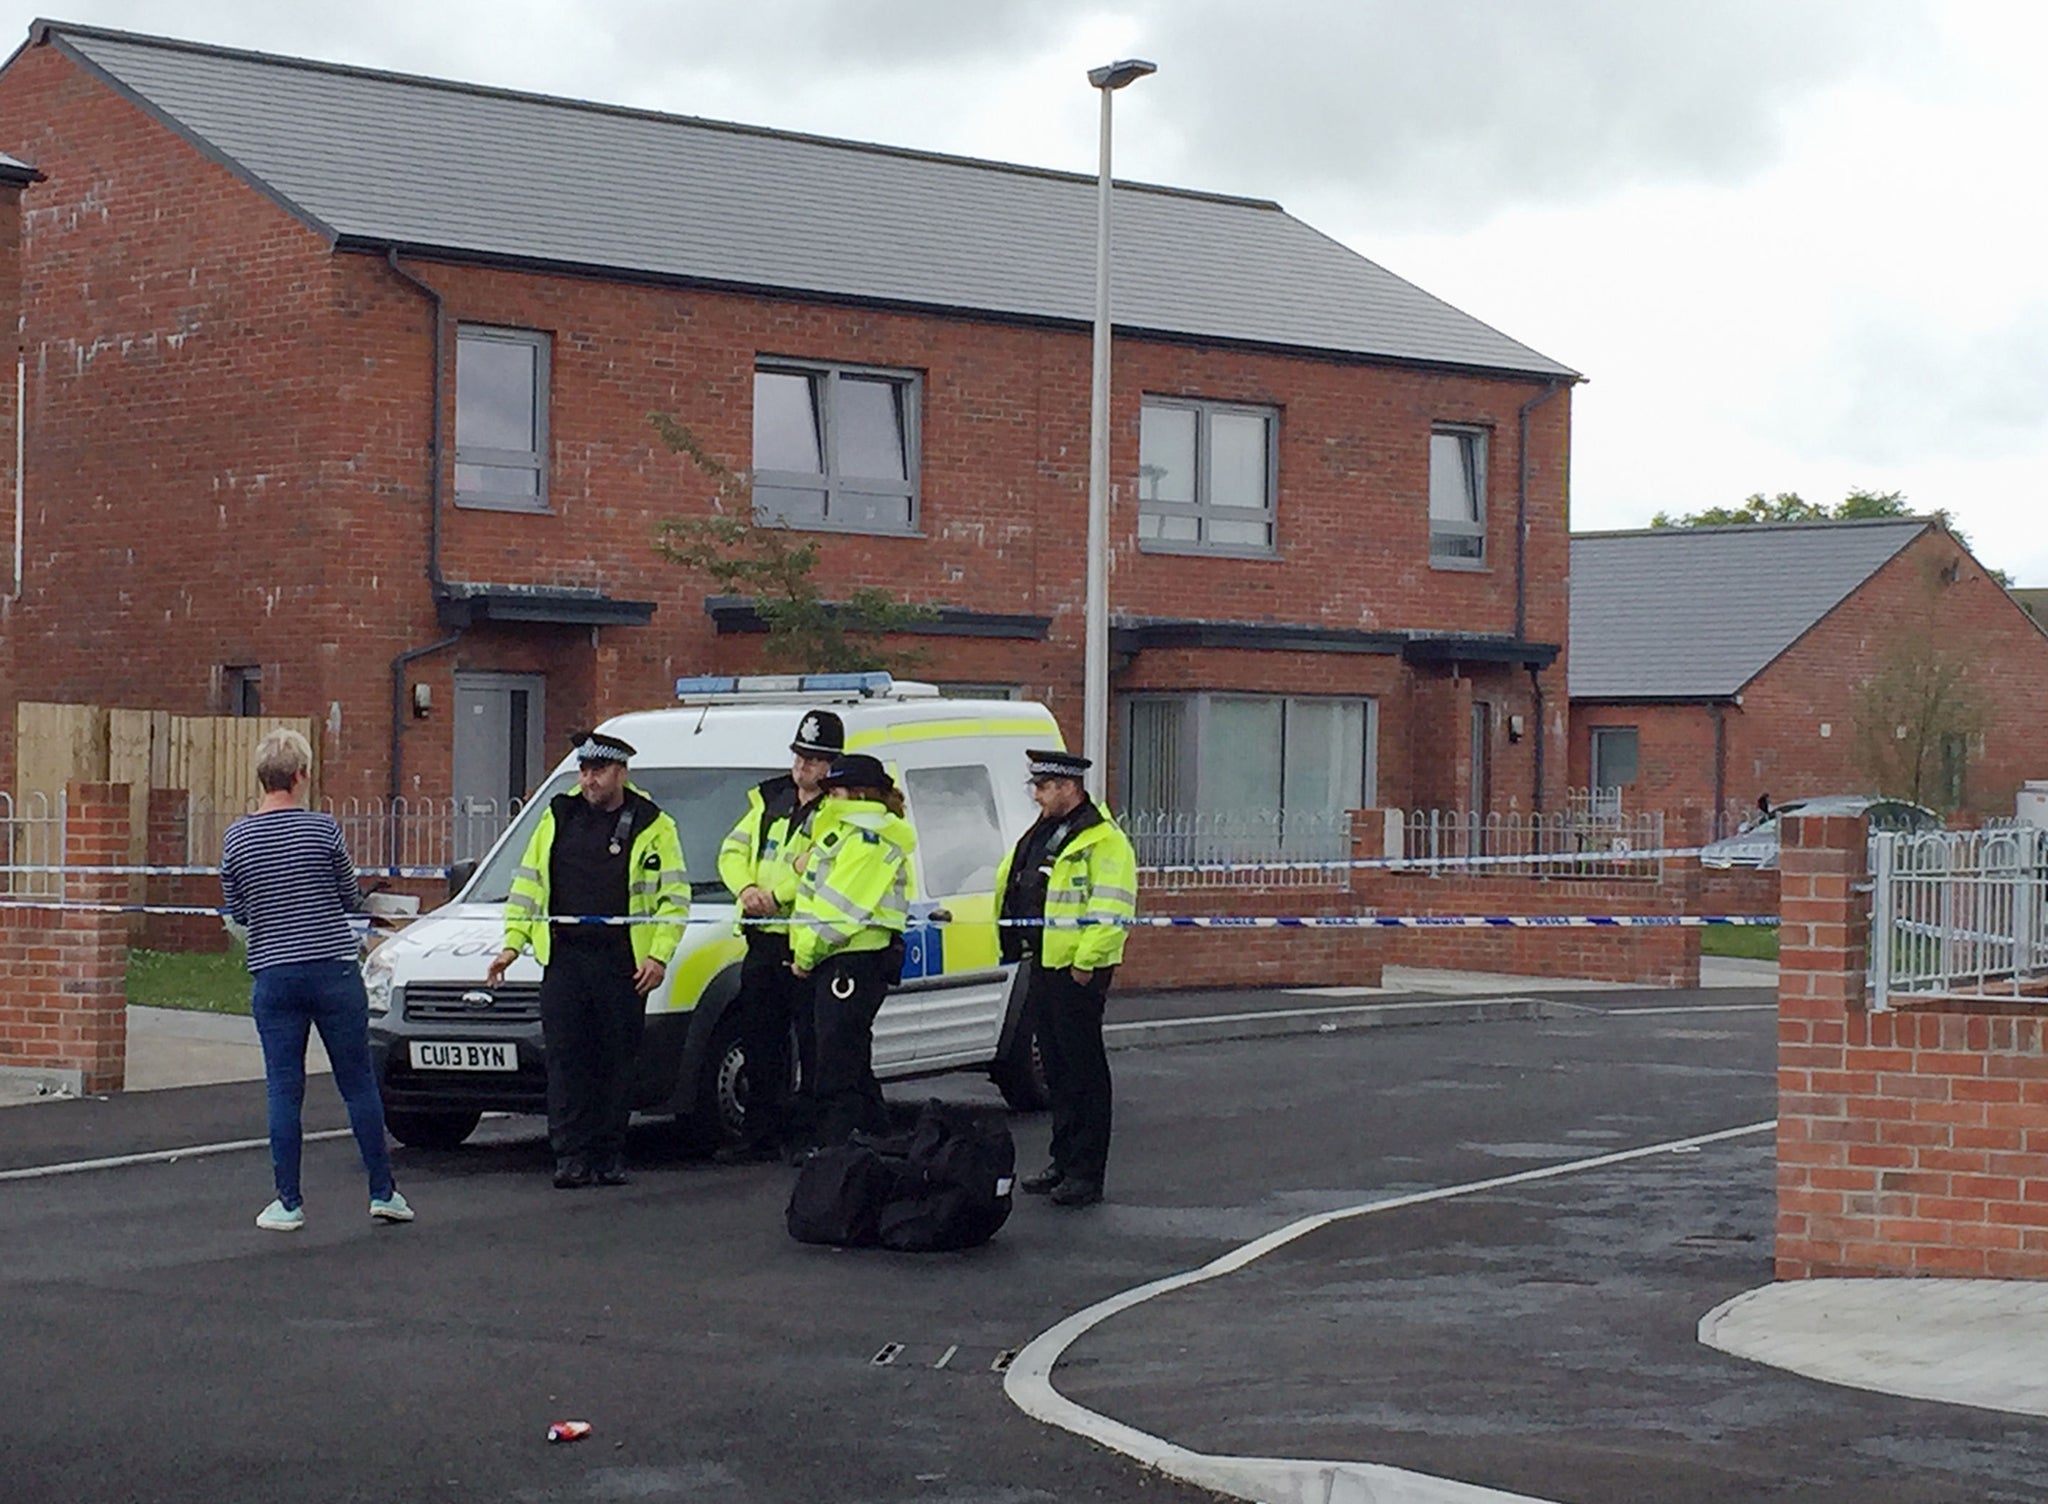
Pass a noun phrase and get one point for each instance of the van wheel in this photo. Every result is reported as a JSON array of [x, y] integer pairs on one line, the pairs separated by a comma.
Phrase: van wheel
[[718, 1111], [430, 1130], [1020, 1074]]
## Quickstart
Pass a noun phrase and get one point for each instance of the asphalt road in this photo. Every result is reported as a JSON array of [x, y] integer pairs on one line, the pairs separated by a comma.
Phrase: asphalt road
[[1536, 1338]]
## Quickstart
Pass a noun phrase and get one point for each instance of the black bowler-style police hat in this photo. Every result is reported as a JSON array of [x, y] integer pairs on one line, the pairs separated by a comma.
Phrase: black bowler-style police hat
[[859, 771], [821, 734], [1057, 764], [595, 746]]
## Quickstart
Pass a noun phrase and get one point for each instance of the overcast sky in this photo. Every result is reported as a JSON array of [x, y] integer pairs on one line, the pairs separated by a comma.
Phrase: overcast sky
[[1793, 244]]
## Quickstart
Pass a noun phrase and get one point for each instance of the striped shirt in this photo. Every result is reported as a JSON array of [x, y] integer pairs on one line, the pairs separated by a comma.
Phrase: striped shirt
[[288, 877]]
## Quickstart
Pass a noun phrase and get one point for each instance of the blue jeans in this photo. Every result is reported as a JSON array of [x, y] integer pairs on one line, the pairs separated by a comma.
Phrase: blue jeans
[[328, 996]]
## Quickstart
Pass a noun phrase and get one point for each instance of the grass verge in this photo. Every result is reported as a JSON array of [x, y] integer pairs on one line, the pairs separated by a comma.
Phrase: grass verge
[[1748, 942], [215, 983]]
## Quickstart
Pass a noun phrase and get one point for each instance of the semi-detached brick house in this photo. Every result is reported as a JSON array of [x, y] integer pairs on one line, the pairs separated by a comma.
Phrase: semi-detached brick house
[[338, 387], [1714, 665]]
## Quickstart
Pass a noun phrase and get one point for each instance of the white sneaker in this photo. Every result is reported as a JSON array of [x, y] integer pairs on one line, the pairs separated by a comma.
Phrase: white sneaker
[[392, 1208], [276, 1217]]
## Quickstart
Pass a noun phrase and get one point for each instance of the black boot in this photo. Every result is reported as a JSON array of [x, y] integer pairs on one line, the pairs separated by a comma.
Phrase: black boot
[[1045, 1180]]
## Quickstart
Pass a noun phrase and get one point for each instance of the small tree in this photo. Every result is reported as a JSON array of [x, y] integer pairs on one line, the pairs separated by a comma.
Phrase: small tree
[[1919, 713], [744, 556]]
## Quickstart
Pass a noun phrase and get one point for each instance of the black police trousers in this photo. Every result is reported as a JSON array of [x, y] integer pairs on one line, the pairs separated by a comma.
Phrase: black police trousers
[[847, 992], [1076, 1066], [591, 1021], [772, 1001]]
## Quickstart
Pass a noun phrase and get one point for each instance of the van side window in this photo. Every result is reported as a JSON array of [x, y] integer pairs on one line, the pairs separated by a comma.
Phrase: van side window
[[959, 838]]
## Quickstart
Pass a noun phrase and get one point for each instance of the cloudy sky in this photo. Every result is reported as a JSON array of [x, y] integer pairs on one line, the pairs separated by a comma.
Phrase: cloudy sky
[[1794, 244]]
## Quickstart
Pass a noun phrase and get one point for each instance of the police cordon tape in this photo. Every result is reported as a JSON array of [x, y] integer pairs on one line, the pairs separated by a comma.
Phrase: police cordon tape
[[1141, 921], [1606, 856]]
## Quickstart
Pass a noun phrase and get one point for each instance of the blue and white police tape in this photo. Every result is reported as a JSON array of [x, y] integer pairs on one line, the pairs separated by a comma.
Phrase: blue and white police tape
[[1141, 921], [1604, 857], [137, 870]]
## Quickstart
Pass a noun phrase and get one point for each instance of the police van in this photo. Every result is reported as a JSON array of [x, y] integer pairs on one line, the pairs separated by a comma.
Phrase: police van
[[447, 1048]]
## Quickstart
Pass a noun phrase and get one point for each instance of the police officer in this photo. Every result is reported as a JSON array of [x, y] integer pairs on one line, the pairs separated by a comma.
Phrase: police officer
[[846, 935], [757, 862], [603, 849], [1074, 864]]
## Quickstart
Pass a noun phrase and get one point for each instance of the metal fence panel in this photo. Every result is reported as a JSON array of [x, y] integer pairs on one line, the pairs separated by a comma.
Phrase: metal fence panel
[[1959, 913], [1240, 849], [31, 835], [1596, 839]]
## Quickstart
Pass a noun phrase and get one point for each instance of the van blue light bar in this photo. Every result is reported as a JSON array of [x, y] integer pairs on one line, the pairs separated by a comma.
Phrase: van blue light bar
[[873, 683], [698, 686]]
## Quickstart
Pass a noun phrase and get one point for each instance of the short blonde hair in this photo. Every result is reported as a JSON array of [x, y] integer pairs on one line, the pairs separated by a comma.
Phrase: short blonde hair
[[281, 757]]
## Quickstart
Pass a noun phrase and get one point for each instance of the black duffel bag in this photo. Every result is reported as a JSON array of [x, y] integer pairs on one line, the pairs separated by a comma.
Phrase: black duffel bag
[[944, 1184]]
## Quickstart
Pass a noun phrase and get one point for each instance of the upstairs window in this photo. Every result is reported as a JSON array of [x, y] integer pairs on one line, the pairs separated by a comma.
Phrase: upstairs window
[[835, 447], [1206, 476], [1457, 496], [501, 418]]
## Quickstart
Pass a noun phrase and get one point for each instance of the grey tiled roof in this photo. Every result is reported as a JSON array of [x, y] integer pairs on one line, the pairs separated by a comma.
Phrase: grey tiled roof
[[1699, 612], [379, 158]]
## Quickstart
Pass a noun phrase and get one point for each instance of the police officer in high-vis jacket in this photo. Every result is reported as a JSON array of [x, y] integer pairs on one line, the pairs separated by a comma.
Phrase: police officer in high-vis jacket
[[758, 863], [1075, 870], [846, 935], [604, 848]]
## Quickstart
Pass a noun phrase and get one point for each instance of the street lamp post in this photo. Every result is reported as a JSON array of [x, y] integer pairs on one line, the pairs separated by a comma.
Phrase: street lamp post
[[1095, 656]]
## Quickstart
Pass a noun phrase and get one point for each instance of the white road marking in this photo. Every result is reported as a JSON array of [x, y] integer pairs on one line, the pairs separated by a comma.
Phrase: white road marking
[[1704, 1008], [157, 1156], [1282, 1480]]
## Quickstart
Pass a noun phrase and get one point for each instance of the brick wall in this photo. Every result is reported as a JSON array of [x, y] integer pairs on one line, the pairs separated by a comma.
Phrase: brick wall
[[263, 497], [63, 974], [1175, 958], [1909, 1142], [1795, 732], [1656, 957]]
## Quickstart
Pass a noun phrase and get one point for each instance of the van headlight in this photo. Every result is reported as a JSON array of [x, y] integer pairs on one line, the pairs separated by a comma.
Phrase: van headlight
[[378, 972]]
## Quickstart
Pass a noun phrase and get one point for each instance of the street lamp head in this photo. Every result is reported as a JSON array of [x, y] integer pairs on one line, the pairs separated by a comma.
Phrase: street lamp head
[[1116, 75]]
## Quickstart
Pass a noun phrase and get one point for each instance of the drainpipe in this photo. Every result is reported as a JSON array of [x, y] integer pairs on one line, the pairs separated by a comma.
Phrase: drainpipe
[[1720, 771], [435, 582], [20, 474], [1542, 733], [1550, 390]]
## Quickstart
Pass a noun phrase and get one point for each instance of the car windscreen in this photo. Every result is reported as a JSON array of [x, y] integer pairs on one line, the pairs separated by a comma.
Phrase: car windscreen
[[704, 802]]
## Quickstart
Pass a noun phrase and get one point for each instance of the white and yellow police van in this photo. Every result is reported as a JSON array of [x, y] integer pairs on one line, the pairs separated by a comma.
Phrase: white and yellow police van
[[448, 1048]]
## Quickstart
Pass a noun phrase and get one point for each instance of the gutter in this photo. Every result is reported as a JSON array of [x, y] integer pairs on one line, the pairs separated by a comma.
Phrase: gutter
[[438, 585]]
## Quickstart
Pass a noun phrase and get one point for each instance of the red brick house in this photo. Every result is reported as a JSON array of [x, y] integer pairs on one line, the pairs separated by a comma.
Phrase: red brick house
[[337, 395], [1714, 665]]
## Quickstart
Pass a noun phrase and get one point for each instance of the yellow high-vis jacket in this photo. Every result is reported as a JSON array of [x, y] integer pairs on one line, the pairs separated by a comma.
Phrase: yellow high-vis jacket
[[761, 850], [656, 884], [1094, 877], [856, 886]]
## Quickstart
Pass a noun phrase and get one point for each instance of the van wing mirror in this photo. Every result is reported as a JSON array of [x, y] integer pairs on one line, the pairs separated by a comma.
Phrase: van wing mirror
[[460, 874]]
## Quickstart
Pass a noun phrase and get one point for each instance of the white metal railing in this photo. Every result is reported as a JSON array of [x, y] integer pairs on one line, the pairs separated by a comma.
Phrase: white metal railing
[[1959, 913], [31, 835], [1178, 850], [1599, 833], [378, 832]]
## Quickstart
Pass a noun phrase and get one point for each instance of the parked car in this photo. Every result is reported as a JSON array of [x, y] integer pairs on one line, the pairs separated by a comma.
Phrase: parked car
[[1758, 846]]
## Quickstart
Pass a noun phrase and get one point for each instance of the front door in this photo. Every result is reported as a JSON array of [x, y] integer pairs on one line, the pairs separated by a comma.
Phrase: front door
[[498, 754]]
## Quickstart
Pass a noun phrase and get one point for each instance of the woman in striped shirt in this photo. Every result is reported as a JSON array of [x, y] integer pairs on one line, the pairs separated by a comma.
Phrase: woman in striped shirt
[[287, 876]]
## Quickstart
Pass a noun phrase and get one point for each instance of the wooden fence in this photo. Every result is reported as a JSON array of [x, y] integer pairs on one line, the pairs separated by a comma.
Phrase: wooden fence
[[212, 757]]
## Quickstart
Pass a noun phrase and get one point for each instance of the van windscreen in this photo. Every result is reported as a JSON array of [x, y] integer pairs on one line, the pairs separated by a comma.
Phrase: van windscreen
[[705, 803]]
